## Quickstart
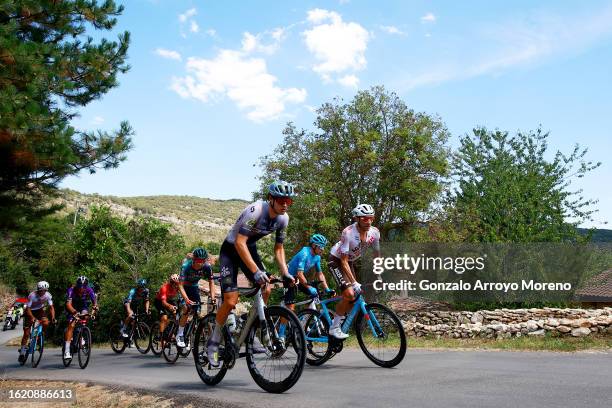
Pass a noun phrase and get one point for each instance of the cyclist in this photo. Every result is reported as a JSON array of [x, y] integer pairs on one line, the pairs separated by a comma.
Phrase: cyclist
[[166, 300], [356, 238], [79, 298], [194, 268], [34, 309], [239, 250], [137, 296]]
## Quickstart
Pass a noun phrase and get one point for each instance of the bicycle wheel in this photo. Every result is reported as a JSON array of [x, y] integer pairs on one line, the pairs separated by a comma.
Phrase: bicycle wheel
[[37, 350], [381, 335], [142, 337], [209, 375], [116, 339], [170, 350], [315, 327], [280, 367], [155, 339], [84, 346]]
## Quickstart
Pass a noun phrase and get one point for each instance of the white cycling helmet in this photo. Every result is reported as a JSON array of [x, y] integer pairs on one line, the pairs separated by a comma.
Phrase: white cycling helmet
[[363, 210], [42, 285]]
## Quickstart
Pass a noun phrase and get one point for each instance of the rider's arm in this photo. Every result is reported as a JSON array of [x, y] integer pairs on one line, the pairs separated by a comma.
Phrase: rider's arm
[[279, 255], [147, 305], [52, 312], [245, 255], [344, 264], [181, 290], [69, 307], [301, 278], [211, 287]]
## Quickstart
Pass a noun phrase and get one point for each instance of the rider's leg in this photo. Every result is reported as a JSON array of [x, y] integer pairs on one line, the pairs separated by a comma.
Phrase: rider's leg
[[68, 337], [128, 318]]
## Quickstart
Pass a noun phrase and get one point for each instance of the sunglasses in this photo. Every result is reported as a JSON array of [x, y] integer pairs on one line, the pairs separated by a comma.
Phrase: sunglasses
[[367, 218], [284, 200]]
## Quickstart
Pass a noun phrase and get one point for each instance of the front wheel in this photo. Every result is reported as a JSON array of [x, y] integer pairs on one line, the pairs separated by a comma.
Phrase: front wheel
[[316, 330], [142, 337], [39, 344], [208, 374], [381, 336], [116, 339], [84, 346], [280, 366]]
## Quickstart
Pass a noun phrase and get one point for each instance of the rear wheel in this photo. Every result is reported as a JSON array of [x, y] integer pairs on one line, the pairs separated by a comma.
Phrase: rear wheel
[[381, 335], [155, 339], [116, 339], [38, 349], [315, 327], [208, 374], [170, 350], [84, 346], [142, 337]]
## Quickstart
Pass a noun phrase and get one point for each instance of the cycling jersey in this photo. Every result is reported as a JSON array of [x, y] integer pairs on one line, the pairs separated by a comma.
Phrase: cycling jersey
[[36, 302], [303, 261], [134, 296], [350, 242], [167, 292], [191, 277], [255, 223], [82, 301]]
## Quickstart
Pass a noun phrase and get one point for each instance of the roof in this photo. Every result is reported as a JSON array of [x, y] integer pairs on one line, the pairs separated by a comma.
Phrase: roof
[[597, 289]]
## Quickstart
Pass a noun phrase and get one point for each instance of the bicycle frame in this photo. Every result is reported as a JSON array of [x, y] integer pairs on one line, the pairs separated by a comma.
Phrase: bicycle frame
[[34, 334], [257, 311]]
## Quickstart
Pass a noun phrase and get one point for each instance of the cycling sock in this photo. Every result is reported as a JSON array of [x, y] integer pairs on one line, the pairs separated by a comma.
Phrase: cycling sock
[[216, 335], [336, 322], [181, 330], [67, 345], [281, 329]]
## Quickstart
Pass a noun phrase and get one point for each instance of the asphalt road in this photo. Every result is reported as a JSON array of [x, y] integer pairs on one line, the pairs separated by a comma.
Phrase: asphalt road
[[423, 379]]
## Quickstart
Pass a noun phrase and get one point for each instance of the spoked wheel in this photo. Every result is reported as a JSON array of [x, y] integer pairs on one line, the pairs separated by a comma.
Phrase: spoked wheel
[[170, 350], [117, 342], [38, 349], [208, 374], [142, 337], [278, 368], [84, 346], [315, 327], [381, 335], [155, 339]]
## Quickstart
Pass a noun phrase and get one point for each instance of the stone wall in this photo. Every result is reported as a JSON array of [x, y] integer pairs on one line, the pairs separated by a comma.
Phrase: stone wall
[[505, 323]]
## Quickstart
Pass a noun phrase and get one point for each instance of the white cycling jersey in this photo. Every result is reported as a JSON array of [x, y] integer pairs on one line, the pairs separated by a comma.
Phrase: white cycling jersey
[[350, 243], [36, 302]]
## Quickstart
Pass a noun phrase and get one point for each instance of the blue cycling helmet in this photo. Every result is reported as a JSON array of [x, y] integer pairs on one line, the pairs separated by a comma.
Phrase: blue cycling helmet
[[142, 283], [200, 253], [318, 240], [281, 188]]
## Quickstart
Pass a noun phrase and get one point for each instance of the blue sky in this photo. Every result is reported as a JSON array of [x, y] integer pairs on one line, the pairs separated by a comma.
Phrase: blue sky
[[213, 84]]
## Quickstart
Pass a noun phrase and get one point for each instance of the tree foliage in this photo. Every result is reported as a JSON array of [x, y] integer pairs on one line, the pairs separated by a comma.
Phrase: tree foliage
[[509, 191], [50, 67], [373, 150]]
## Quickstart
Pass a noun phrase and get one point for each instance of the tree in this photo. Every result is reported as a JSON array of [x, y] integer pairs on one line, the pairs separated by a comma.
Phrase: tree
[[48, 69], [372, 150], [508, 191]]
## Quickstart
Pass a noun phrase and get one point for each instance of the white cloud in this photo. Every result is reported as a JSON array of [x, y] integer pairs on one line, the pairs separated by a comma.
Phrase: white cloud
[[428, 18], [392, 30], [169, 54], [187, 15], [211, 32], [97, 120], [256, 42], [243, 79], [337, 45], [194, 27], [350, 81]]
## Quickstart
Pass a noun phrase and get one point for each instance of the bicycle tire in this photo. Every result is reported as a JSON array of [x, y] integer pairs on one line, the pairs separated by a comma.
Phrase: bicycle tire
[[202, 334], [117, 342], [38, 350], [155, 339], [315, 326], [170, 349], [84, 347], [388, 319], [294, 338], [142, 333]]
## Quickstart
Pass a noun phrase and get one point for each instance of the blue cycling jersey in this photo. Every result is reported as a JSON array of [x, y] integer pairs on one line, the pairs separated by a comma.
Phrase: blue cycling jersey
[[191, 277], [134, 296], [304, 261]]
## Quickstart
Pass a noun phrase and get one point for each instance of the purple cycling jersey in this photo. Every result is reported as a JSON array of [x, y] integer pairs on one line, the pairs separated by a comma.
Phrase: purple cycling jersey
[[80, 302]]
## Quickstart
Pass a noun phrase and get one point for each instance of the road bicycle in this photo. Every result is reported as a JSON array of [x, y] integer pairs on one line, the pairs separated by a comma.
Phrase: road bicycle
[[81, 341], [36, 345], [170, 350], [379, 331], [138, 334], [275, 366]]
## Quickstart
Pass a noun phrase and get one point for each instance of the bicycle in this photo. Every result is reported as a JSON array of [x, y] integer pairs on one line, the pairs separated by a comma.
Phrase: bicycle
[[376, 327], [170, 350], [139, 335], [81, 341], [36, 344], [284, 361]]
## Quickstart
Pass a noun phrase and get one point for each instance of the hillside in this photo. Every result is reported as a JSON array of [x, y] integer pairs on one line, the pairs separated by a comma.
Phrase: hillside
[[195, 218]]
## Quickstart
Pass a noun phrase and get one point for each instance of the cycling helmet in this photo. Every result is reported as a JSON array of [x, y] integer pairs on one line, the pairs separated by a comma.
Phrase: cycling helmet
[[318, 240], [174, 278], [142, 283], [42, 285], [200, 253], [281, 188], [82, 281], [363, 210]]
